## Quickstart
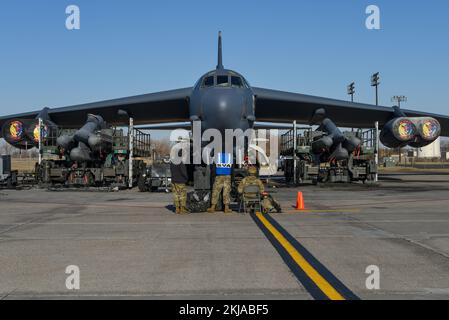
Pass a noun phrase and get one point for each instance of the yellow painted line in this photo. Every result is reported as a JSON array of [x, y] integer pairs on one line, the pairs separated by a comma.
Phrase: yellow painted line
[[314, 275]]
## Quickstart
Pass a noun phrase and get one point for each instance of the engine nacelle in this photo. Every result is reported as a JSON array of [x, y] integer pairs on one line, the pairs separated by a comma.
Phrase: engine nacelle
[[24, 133], [415, 132], [429, 130], [32, 131], [14, 132], [398, 133]]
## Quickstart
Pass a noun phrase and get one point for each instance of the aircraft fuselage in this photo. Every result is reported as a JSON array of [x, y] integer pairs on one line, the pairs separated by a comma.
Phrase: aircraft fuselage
[[222, 99]]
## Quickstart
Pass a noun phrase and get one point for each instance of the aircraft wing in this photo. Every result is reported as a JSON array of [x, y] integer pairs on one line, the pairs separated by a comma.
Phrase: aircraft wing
[[167, 106], [188, 126], [167, 126], [280, 106]]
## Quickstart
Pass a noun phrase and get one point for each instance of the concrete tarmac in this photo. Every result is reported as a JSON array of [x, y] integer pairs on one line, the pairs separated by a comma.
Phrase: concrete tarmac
[[130, 245]]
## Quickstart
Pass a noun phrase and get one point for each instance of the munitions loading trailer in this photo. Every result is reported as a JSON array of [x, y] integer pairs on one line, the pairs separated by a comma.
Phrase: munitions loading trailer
[[155, 177], [108, 168], [297, 157]]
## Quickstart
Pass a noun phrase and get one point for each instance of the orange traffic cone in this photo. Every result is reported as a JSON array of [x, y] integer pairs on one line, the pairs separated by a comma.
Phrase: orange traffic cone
[[300, 202]]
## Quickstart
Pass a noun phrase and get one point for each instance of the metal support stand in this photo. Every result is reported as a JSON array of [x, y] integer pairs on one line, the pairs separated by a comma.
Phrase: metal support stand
[[376, 152], [131, 151], [377, 95], [295, 142], [40, 141]]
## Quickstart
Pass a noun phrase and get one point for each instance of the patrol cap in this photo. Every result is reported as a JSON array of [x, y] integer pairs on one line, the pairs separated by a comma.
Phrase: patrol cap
[[252, 170]]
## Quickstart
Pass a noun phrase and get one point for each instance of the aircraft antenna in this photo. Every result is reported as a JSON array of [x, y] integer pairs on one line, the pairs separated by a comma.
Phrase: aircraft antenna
[[220, 52]]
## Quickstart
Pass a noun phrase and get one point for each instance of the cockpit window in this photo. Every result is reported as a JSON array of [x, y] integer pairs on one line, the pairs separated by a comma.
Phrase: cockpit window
[[208, 81], [230, 80], [222, 81], [236, 82]]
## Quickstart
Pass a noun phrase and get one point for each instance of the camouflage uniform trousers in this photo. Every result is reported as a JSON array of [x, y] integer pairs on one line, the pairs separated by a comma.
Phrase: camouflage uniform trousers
[[180, 195], [222, 183], [269, 204]]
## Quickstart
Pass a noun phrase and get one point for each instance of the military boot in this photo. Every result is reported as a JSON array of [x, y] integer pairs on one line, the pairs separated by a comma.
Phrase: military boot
[[211, 209], [227, 209], [184, 210]]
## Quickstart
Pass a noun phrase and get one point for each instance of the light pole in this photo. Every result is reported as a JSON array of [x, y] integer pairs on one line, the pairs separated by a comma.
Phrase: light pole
[[375, 81], [398, 100], [351, 90]]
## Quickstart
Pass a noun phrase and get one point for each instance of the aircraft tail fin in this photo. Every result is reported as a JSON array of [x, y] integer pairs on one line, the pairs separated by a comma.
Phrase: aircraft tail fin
[[220, 52]]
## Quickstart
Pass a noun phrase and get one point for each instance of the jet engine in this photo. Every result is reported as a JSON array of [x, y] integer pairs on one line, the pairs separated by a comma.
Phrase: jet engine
[[398, 133], [429, 130], [415, 132], [24, 133], [14, 132]]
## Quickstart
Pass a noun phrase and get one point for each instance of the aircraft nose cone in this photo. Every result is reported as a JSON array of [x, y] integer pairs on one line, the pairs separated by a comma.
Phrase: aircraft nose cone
[[223, 104], [223, 109]]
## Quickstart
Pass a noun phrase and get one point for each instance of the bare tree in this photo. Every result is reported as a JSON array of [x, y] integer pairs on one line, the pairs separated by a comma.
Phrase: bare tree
[[444, 145], [6, 148], [161, 147]]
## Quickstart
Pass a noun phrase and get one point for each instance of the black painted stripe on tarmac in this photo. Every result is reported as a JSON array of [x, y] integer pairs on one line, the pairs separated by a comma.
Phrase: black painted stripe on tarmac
[[308, 283]]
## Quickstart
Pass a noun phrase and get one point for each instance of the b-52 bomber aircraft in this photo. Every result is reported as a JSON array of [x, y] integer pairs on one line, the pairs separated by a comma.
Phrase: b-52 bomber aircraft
[[223, 99]]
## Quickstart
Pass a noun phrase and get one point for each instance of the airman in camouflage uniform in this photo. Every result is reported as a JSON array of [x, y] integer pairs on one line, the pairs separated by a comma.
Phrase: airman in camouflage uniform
[[251, 180], [268, 202], [180, 198], [223, 171], [222, 183], [179, 178]]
